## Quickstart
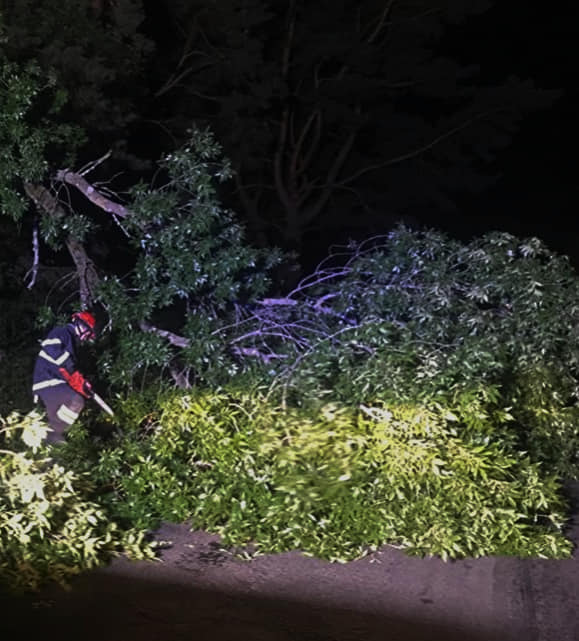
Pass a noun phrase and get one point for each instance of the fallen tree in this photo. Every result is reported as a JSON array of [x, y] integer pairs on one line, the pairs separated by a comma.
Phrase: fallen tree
[[408, 315]]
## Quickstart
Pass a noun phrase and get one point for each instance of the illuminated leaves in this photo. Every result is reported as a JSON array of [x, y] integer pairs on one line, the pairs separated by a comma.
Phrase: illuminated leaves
[[50, 529], [334, 482], [437, 319]]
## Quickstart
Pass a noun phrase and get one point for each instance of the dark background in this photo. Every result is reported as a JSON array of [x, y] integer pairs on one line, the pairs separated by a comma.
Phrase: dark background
[[536, 193]]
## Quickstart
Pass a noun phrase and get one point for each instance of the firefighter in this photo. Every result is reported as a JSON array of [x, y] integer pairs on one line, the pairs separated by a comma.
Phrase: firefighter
[[56, 380]]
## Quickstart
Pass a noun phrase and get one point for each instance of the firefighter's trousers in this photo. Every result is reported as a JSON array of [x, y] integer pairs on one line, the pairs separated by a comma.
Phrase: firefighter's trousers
[[63, 406]]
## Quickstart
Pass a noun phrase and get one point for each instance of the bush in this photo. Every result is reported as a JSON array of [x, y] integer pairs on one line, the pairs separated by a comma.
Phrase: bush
[[333, 482], [50, 527], [416, 315]]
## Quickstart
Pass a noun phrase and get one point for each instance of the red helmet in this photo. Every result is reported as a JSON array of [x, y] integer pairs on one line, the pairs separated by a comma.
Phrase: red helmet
[[86, 322]]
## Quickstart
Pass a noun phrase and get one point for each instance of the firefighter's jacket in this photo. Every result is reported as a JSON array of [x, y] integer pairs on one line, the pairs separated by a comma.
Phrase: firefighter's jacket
[[58, 350]]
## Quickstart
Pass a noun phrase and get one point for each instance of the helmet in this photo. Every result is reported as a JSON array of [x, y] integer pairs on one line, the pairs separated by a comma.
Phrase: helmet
[[86, 323]]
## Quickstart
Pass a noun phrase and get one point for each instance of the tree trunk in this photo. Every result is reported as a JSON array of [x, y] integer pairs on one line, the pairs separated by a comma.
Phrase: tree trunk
[[88, 279]]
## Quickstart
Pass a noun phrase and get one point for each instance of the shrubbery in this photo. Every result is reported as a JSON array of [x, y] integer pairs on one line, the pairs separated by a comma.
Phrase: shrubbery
[[414, 316], [332, 481], [51, 528]]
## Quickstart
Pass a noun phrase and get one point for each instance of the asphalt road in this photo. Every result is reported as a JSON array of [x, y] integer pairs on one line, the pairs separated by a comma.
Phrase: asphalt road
[[200, 592]]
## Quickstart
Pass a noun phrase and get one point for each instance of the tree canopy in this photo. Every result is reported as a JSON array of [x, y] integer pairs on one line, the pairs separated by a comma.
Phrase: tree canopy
[[324, 133], [327, 131]]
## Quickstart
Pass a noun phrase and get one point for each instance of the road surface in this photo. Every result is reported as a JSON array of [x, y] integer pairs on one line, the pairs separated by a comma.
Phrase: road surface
[[200, 592]]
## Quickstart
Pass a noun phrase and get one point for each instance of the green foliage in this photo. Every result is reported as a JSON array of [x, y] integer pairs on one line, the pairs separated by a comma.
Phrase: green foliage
[[50, 527], [437, 319], [439, 417], [334, 482], [27, 137], [544, 402], [98, 58], [192, 265]]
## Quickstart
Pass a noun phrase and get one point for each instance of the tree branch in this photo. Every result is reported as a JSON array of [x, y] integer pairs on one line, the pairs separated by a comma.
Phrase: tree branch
[[91, 166], [174, 339], [253, 351], [313, 211], [88, 278], [33, 271], [300, 167], [381, 23], [416, 152], [104, 203], [278, 160], [176, 78]]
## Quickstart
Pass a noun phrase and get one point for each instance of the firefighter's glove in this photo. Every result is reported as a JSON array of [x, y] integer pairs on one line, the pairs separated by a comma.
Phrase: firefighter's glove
[[78, 383]]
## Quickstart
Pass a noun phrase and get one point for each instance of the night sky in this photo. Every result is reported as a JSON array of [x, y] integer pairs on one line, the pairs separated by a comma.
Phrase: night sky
[[537, 191]]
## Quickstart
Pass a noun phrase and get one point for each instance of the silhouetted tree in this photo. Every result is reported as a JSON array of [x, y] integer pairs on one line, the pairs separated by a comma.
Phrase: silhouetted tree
[[97, 51], [330, 108]]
